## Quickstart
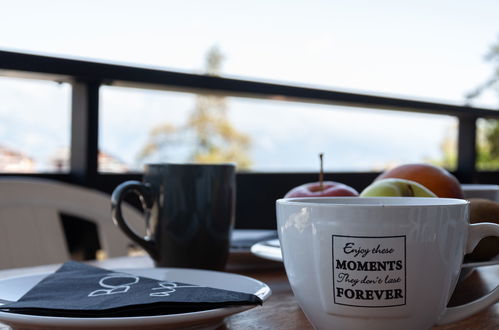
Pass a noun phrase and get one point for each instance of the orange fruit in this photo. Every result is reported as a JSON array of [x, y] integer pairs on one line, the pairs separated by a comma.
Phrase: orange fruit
[[437, 179]]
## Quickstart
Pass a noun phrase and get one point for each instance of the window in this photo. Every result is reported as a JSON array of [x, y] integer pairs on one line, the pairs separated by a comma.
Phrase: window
[[140, 126], [34, 126]]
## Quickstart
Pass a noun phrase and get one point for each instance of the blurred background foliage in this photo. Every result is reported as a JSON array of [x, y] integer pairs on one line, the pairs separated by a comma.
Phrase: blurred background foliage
[[207, 131], [487, 129]]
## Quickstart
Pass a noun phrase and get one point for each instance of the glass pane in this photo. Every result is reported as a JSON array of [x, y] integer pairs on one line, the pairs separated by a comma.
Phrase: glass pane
[[129, 119], [34, 126], [487, 145], [289, 136], [424, 49], [141, 126]]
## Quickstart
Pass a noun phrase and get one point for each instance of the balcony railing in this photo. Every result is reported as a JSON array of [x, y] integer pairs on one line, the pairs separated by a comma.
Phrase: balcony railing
[[256, 191]]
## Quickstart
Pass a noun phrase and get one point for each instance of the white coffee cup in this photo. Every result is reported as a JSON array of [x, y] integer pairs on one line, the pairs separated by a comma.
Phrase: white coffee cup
[[487, 191], [378, 263]]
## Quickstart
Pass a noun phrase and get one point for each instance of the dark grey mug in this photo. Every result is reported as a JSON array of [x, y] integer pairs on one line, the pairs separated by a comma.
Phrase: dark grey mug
[[189, 211]]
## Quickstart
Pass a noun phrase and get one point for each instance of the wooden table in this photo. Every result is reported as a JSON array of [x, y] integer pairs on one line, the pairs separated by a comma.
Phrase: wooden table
[[281, 311]]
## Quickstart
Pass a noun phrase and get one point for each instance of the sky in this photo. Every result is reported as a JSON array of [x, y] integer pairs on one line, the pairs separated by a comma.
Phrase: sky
[[427, 50]]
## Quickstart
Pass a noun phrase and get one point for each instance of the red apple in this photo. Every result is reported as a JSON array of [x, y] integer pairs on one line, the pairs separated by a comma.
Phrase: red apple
[[329, 188]]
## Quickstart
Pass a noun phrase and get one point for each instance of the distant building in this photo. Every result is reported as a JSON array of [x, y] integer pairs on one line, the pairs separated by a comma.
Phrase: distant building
[[14, 161], [59, 162]]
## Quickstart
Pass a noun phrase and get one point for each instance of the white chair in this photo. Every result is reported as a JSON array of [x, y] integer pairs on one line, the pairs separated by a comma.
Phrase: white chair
[[31, 230]]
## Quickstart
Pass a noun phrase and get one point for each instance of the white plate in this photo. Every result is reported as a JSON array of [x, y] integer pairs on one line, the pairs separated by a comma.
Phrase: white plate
[[14, 288], [271, 250]]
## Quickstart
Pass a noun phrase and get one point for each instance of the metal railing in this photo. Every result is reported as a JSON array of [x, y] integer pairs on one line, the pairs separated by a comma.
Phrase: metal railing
[[256, 191]]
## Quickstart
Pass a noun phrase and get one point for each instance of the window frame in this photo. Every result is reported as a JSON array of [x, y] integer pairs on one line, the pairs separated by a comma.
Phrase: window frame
[[257, 191]]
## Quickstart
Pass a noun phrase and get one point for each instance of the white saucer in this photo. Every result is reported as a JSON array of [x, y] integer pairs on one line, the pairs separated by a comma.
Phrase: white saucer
[[493, 261], [271, 250], [15, 287]]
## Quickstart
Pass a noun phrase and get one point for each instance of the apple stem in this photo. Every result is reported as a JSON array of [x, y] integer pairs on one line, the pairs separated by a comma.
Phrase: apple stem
[[321, 173]]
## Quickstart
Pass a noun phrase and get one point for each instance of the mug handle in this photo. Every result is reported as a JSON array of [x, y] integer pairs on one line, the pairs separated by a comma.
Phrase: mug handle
[[143, 191], [453, 314]]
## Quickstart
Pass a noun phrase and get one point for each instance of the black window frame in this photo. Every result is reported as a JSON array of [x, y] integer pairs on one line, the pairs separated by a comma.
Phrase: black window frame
[[257, 191]]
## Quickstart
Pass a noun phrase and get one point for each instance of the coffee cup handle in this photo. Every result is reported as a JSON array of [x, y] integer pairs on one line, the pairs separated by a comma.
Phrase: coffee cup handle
[[453, 314], [143, 191]]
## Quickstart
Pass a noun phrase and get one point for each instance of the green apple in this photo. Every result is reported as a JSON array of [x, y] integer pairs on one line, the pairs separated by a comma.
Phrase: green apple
[[396, 188]]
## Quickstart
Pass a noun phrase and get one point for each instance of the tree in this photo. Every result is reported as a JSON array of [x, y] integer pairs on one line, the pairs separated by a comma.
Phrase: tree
[[207, 131], [488, 130], [493, 82], [488, 134], [488, 146]]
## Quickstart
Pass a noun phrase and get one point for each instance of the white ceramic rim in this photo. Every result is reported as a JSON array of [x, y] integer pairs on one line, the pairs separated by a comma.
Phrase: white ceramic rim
[[479, 187], [399, 202]]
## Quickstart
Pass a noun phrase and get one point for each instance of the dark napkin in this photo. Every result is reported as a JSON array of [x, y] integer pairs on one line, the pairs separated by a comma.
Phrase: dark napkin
[[80, 290]]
